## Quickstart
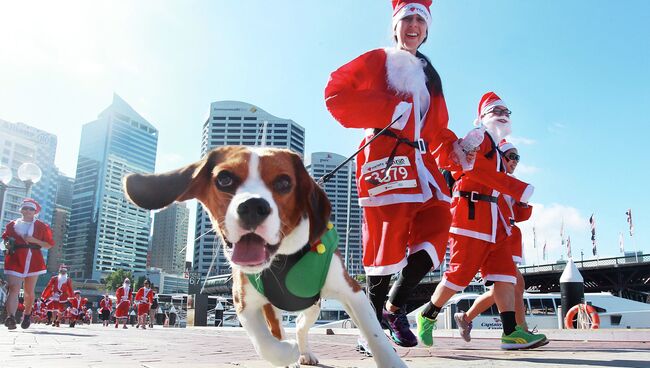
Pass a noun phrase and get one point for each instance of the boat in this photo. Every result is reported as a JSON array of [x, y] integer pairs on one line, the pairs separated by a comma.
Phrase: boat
[[543, 310], [332, 311]]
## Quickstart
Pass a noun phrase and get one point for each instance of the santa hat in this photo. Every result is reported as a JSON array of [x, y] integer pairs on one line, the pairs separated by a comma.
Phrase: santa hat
[[404, 8], [31, 203], [488, 101], [63, 268], [77, 292], [506, 146], [127, 280]]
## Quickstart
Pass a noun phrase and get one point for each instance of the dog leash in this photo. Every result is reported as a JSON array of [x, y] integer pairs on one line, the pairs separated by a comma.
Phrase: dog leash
[[325, 178]]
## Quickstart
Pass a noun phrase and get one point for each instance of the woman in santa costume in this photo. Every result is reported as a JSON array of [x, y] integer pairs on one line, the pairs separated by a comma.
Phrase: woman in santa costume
[[512, 212], [56, 294], [24, 238], [404, 196], [124, 295], [105, 309], [478, 231], [143, 299]]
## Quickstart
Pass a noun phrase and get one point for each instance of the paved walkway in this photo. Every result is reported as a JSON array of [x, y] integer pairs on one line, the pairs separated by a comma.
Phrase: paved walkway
[[98, 347]]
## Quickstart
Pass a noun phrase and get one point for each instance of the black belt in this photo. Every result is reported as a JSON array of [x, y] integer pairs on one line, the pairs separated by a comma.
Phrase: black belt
[[24, 246], [420, 144], [474, 197]]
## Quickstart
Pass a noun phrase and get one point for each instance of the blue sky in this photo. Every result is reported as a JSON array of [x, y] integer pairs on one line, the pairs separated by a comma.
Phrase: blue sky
[[576, 75]]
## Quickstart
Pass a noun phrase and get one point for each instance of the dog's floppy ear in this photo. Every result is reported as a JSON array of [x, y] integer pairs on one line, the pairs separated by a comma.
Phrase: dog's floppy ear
[[154, 191], [316, 204]]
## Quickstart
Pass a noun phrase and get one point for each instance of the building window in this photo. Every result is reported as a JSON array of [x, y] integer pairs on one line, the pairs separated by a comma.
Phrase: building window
[[234, 117], [218, 118]]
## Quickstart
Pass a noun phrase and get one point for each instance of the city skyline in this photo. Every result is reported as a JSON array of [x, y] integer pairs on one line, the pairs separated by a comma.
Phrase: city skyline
[[574, 74]]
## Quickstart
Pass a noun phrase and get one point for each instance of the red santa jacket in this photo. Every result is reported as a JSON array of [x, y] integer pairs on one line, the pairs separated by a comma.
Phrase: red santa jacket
[[56, 290], [77, 304], [41, 232], [474, 207], [123, 295], [143, 296], [512, 212], [106, 303], [369, 92]]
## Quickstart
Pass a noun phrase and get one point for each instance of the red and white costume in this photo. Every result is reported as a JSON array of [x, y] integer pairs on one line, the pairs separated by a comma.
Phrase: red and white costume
[[57, 292], [105, 304], [408, 206], [124, 296], [77, 305], [514, 212], [479, 230], [26, 262], [144, 298]]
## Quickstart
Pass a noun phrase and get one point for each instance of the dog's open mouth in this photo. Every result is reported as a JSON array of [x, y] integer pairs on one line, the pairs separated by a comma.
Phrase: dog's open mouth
[[252, 250]]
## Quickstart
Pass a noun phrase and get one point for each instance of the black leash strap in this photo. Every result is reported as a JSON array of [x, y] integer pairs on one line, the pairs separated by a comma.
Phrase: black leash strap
[[325, 178]]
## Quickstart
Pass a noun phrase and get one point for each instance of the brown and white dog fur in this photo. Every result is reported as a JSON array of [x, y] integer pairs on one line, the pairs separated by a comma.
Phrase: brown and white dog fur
[[263, 201]]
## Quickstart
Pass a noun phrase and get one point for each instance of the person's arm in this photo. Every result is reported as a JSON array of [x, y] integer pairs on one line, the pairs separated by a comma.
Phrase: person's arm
[[354, 104]]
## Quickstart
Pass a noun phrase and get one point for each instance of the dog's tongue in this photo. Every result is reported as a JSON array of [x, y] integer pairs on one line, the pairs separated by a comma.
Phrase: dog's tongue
[[249, 250]]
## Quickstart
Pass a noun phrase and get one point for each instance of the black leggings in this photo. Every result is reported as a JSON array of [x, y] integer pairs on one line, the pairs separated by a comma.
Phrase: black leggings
[[419, 263]]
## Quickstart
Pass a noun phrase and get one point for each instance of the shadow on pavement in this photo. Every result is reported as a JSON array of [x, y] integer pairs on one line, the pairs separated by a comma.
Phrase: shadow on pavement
[[34, 332]]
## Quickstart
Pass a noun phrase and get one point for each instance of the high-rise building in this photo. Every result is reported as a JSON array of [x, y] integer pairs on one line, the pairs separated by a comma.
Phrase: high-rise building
[[19, 144], [341, 190], [237, 123], [60, 222], [169, 238], [107, 232]]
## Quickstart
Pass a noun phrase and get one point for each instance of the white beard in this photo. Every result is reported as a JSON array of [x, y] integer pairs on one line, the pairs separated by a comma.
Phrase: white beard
[[126, 287], [63, 279], [498, 131]]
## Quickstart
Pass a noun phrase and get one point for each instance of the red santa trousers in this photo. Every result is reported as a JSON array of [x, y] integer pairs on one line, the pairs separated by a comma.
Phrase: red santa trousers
[[469, 255], [388, 231], [122, 309]]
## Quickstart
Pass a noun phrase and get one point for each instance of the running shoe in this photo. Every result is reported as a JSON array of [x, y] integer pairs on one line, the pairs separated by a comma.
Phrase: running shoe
[[27, 320], [10, 322], [521, 339], [362, 346], [425, 329], [464, 327], [400, 329]]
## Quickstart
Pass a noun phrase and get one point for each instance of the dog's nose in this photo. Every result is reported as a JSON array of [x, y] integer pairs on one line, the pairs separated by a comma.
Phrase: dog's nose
[[252, 212]]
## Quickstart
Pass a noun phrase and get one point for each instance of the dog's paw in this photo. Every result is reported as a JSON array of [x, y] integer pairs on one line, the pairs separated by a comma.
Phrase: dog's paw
[[308, 358], [284, 353]]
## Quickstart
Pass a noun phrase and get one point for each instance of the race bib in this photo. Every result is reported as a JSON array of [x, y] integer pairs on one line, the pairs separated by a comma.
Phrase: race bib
[[399, 175]]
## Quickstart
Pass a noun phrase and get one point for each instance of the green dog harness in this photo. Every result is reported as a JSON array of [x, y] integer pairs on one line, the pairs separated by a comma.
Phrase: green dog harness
[[294, 281]]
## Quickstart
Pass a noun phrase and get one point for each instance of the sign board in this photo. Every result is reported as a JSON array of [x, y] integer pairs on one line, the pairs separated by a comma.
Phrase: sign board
[[194, 282]]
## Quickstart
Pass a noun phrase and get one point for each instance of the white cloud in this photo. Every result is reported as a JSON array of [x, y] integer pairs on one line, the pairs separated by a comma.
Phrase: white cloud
[[521, 141], [547, 220], [556, 127]]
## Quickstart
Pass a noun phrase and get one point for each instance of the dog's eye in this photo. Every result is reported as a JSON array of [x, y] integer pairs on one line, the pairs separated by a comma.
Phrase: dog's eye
[[226, 181], [282, 184]]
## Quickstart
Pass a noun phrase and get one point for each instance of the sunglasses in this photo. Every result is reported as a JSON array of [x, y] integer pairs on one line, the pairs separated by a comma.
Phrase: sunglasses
[[500, 112], [27, 209], [513, 157]]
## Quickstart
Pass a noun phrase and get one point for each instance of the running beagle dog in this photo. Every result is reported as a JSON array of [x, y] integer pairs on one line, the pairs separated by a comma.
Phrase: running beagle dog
[[273, 220]]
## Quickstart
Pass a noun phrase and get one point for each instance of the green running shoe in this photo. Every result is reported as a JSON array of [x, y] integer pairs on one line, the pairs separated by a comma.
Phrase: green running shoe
[[425, 329], [521, 339]]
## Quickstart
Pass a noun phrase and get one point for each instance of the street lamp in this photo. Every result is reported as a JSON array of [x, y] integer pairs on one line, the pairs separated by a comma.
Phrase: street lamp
[[30, 173]]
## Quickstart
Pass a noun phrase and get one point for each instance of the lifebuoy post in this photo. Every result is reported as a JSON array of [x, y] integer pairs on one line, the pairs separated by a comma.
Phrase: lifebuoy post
[[572, 287]]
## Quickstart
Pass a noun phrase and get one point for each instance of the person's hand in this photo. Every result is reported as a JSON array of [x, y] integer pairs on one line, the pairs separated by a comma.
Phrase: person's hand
[[470, 156], [32, 240]]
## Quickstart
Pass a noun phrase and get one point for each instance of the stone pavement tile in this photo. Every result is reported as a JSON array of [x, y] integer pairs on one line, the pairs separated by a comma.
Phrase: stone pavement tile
[[99, 347]]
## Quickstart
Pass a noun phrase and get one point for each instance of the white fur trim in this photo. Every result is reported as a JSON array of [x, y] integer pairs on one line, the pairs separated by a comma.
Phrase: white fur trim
[[517, 260], [507, 146], [404, 73], [471, 234], [404, 109], [502, 278], [450, 285], [430, 249], [391, 198], [385, 270], [492, 104], [527, 194]]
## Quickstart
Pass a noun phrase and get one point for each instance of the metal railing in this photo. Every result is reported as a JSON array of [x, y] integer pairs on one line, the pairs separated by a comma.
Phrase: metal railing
[[592, 263]]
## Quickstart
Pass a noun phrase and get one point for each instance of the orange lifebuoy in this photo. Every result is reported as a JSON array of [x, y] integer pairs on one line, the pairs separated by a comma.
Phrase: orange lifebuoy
[[587, 310]]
